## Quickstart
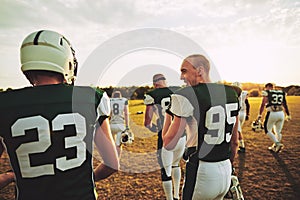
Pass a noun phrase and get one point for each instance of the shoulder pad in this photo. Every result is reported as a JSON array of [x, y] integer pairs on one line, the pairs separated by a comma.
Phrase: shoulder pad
[[181, 106], [148, 100], [264, 93], [104, 105]]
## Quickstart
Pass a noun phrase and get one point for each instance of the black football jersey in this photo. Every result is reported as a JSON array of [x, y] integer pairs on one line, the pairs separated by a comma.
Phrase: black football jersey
[[160, 99], [213, 108], [49, 131]]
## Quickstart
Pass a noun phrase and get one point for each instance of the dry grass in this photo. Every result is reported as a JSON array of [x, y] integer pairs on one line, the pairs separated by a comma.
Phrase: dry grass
[[262, 174]]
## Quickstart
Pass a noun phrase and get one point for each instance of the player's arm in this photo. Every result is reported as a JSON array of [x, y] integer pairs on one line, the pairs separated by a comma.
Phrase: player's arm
[[167, 123], [234, 142], [148, 118], [174, 132], [262, 105], [181, 109], [285, 106], [2, 148], [126, 115], [6, 178], [149, 102], [107, 150], [148, 115], [247, 108]]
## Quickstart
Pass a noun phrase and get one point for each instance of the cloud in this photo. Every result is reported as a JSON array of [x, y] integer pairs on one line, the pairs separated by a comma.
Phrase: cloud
[[211, 23]]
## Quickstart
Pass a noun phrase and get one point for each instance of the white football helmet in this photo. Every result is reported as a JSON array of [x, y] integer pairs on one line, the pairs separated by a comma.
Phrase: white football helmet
[[235, 191], [127, 137], [257, 126], [49, 51]]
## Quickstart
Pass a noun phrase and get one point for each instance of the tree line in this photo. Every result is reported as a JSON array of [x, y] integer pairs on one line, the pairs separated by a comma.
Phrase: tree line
[[254, 90], [135, 92]]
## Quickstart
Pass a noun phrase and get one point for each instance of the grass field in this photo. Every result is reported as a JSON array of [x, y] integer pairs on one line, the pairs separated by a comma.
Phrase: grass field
[[262, 174]]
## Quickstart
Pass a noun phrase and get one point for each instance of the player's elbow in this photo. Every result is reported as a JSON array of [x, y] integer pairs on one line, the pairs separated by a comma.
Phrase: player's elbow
[[103, 171]]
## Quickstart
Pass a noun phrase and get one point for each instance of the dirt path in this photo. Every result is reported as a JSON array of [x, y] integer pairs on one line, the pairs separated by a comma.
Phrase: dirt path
[[262, 174]]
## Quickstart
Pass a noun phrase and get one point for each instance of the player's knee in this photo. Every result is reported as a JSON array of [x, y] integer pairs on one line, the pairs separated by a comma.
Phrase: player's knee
[[164, 176]]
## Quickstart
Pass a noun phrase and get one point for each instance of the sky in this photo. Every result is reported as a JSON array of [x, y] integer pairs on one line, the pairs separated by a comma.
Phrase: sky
[[245, 40]]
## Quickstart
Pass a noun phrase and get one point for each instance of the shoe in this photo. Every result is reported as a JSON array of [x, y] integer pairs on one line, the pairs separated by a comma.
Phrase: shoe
[[272, 148], [242, 150], [278, 147]]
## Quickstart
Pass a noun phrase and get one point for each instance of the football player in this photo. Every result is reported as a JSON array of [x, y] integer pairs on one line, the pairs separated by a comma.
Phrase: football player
[[243, 115], [157, 101], [119, 120], [208, 111], [49, 129], [275, 103]]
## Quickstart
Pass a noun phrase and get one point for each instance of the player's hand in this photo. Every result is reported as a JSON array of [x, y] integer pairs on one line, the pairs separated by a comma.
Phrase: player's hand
[[127, 128], [258, 117], [152, 128], [247, 117], [288, 118]]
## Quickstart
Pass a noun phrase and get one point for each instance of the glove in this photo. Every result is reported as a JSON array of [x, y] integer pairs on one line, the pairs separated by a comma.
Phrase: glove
[[247, 117], [127, 128], [288, 118]]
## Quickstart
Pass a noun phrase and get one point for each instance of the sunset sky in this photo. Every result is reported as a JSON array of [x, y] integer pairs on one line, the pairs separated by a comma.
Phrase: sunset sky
[[245, 40]]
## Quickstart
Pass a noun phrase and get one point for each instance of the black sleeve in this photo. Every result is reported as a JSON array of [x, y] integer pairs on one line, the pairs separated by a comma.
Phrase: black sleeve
[[101, 119], [247, 107]]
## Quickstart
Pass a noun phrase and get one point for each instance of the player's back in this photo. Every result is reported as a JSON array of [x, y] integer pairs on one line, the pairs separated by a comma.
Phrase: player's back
[[160, 99], [215, 107], [48, 131], [117, 109]]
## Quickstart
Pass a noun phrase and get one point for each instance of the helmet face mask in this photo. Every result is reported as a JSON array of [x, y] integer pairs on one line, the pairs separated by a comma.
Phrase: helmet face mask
[[49, 51]]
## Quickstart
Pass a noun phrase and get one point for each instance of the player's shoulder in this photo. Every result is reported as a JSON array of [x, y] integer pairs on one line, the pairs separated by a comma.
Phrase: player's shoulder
[[279, 91], [162, 91], [267, 92], [237, 89], [95, 91], [148, 99], [9, 96]]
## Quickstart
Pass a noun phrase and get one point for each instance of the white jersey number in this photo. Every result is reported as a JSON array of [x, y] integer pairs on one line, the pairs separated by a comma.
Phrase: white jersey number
[[165, 102], [116, 109], [218, 123], [42, 126], [277, 99]]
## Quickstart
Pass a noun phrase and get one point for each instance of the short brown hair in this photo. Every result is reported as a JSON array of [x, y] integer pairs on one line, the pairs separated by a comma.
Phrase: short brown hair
[[198, 60], [158, 77]]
